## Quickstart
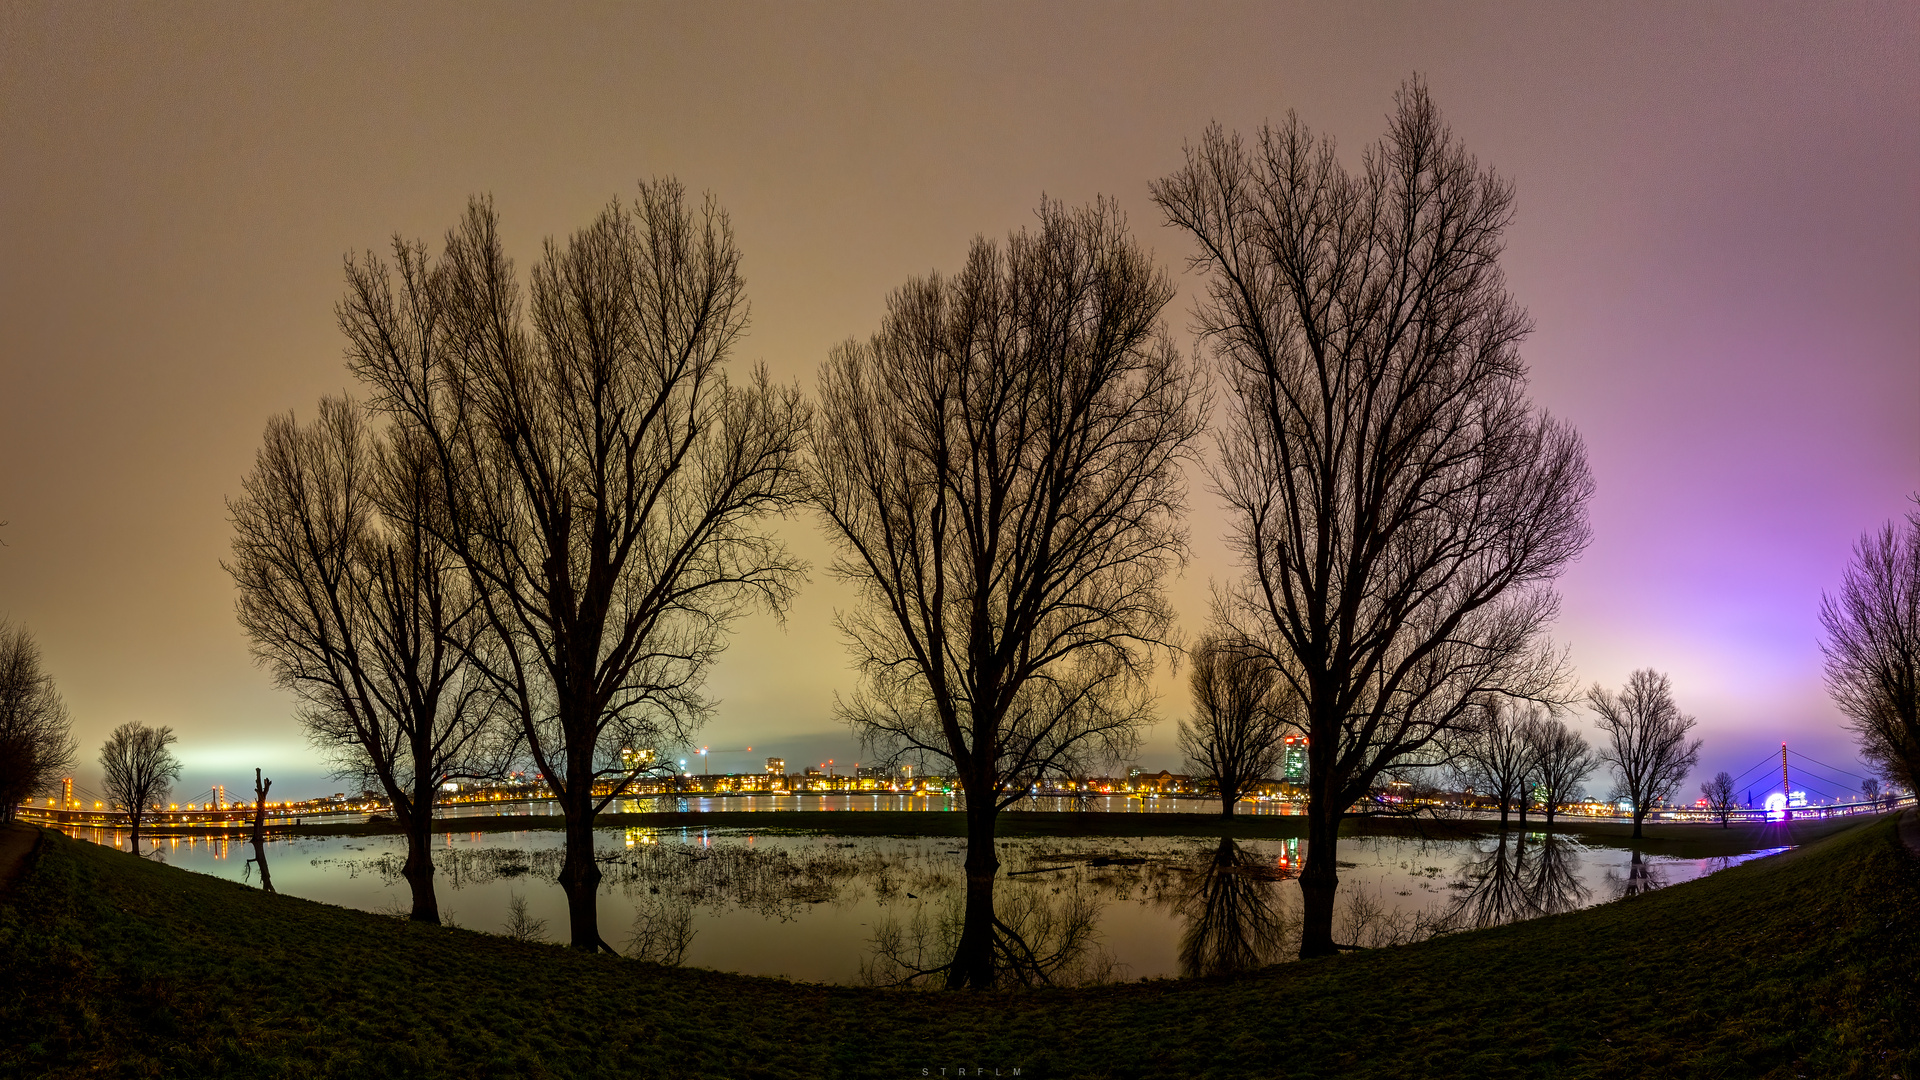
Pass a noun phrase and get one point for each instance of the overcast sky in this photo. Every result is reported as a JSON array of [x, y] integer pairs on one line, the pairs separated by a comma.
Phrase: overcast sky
[[1718, 238]]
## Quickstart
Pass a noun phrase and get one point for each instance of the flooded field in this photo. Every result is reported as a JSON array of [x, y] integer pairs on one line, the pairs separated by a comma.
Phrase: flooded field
[[886, 910]]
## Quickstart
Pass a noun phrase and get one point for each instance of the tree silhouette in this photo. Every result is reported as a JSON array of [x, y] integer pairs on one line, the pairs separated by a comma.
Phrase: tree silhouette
[[1001, 467], [36, 732], [1646, 740], [1873, 648], [600, 479], [1400, 507], [1241, 713], [139, 771]]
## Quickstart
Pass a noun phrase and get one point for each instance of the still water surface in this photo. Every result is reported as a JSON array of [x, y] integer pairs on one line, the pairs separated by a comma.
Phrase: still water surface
[[881, 909]]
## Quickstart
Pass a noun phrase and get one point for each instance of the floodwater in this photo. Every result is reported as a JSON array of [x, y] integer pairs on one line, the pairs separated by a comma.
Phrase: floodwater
[[886, 910]]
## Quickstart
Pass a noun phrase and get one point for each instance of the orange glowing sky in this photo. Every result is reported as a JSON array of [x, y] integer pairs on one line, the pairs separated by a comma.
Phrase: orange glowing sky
[[1719, 239]]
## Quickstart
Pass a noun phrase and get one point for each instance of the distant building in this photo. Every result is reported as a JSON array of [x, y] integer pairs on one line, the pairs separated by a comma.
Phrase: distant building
[[872, 772], [776, 766], [1293, 766], [632, 760]]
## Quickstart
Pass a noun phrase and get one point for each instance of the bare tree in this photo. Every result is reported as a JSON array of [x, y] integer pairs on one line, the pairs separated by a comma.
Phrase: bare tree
[[601, 480], [139, 771], [1646, 740], [1241, 712], [1001, 466], [1873, 648], [1500, 757], [354, 606], [1400, 507], [1720, 797], [1870, 791], [260, 789], [36, 733], [1565, 763]]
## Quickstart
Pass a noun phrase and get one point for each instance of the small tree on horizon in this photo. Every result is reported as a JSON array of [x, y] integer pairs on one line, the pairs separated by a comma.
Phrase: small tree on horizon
[[1646, 740], [1241, 713], [1720, 797], [1500, 758], [1565, 762], [139, 771]]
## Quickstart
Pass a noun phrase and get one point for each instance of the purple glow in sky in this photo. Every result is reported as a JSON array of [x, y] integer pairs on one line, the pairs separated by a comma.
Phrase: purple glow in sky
[[1718, 239]]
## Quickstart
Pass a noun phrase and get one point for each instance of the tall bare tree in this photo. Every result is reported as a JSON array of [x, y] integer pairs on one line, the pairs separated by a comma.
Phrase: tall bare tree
[[354, 606], [602, 481], [1566, 761], [1400, 507], [1646, 740], [1241, 713], [36, 733], [1873, 648], [1001, 466], [139, 771], [1720, 797], [1500, 757]]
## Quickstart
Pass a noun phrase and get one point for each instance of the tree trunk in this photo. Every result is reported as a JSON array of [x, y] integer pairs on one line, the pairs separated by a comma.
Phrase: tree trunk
[[134, 819], [1504, 804], [260, 829], [416, 816], [1638, 814], [1229, 794], [1523, 813], [1319, 879], [972, 967], [418, 870], [579, 874]]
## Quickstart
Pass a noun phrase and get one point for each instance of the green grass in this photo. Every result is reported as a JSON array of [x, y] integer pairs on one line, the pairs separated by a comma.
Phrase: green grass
[[1802, 964]]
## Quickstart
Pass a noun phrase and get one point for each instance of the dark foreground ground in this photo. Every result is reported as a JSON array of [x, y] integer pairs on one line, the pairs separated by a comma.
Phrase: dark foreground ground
[[1803, 964]]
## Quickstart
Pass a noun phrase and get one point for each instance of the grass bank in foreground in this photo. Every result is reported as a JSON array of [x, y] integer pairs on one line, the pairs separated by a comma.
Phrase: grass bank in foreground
[[1686, 841], [1802, 964]]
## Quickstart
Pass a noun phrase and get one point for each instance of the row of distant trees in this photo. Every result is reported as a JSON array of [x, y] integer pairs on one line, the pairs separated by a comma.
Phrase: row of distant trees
[[1244, 712]]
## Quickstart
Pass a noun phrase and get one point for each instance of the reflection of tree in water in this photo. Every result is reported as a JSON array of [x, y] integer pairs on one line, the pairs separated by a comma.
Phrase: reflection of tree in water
[[1517, 880], [1642, 876], [662, 930], [1235, 921], [1043, 935], [775, 884]]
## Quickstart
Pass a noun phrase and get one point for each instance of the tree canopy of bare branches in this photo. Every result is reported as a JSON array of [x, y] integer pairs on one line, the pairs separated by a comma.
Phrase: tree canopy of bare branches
[[1565, 763], [1001, 467], [139, 771], [358, 609], [36, 733], [1873, 648], [1646, 740], [1398, 505], [601, 480], [1500, 757], [1241, 713]]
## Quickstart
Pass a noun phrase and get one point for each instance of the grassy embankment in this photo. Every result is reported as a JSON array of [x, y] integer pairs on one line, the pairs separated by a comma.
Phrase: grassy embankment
[[1803, 964]]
